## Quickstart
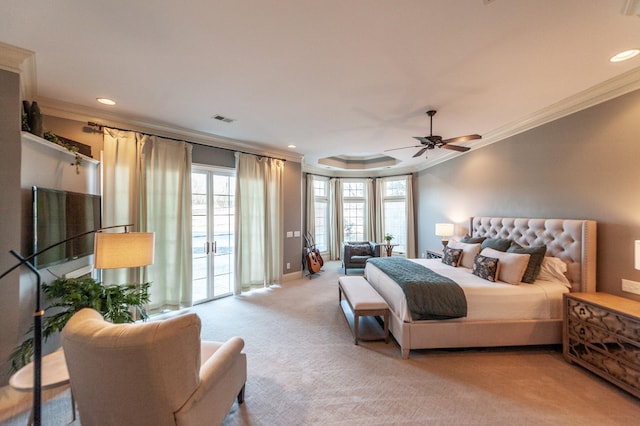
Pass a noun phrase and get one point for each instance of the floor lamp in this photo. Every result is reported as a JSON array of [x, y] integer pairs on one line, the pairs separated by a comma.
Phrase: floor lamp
[[111, 250]]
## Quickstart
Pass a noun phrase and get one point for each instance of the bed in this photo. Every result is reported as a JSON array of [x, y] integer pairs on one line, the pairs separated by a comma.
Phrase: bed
[[521, 321]]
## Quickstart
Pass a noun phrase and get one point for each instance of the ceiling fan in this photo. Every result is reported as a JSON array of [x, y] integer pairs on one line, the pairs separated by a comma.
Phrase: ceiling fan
[[432, 141]]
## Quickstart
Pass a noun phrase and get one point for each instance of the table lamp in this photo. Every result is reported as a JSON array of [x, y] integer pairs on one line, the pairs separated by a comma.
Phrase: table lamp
[[444, 230]]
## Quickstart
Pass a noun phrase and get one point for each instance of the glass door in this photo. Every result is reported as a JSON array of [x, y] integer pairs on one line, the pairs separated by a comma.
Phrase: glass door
[[213, 194]]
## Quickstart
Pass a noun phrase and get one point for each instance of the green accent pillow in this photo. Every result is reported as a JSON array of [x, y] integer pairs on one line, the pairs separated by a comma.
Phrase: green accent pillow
[[472, 240], [535, 260], [500, 244]]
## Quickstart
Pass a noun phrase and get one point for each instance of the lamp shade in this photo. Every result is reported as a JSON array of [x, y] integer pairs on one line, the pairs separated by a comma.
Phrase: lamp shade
[[637, 254], [444, 229], [123, 250]]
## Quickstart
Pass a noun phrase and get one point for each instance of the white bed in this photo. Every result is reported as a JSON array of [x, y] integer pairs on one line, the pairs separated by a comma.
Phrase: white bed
[[530, 314]]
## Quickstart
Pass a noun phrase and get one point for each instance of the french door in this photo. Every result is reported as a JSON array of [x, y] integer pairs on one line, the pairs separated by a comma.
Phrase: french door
[[213, 202]]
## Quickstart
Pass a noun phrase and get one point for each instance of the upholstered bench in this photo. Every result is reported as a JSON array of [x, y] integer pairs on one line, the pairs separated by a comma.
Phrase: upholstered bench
[[363, 300]]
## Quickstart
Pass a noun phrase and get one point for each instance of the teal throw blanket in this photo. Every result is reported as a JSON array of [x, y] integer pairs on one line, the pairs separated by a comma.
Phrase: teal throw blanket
[[429, 295]]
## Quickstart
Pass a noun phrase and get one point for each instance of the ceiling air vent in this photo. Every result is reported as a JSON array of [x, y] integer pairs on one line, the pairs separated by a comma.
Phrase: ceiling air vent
[[223, 118]]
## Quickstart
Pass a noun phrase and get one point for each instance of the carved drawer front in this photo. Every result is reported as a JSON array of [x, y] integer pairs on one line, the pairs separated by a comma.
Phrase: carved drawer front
[[604, 341], [613, 322]]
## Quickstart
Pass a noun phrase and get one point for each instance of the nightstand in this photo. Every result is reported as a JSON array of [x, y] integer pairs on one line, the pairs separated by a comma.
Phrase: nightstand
[[434, 254], [602, 334]]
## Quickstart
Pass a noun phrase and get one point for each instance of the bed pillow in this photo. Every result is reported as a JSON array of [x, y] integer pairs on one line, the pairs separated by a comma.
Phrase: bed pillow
[[533, 268], [500, 244], [469, 252], [486, 267], [451, 256], [472, 240], [512, 265], [553, 269]]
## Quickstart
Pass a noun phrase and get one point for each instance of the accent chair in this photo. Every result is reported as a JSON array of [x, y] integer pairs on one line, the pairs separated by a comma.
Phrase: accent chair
[[152, 373], [356, 253]]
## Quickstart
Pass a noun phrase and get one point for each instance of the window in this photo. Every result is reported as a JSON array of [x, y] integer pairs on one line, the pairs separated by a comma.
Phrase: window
[[353, 210], [213, 197], [321, 212], [394, 204]]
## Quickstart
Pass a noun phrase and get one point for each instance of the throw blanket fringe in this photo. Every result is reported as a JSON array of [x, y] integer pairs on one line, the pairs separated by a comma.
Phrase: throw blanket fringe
[[430, 296]]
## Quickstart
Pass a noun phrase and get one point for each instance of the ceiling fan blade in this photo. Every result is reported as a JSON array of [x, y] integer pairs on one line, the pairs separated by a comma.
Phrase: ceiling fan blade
[[419, 153], [463, 138], [422, 139], [456, 148], [404, 147]]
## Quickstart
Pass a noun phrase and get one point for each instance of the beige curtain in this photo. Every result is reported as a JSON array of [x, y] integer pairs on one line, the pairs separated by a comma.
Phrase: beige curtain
[[258, 228], [411, 233], [370, 206], [379, 219], [335, 218], [311, 207], [147, 182]]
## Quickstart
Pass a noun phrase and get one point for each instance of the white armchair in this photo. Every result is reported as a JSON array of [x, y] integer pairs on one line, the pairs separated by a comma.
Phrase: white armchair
[[154, 373]]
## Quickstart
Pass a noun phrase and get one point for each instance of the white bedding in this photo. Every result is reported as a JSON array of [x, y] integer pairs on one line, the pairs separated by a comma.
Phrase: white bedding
[[485, 300]]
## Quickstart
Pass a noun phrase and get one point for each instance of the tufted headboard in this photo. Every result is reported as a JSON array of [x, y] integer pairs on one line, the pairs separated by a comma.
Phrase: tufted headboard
[[571, 240]]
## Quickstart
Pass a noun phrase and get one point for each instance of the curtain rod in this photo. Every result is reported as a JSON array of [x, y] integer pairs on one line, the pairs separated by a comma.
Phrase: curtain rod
[[101, 126]]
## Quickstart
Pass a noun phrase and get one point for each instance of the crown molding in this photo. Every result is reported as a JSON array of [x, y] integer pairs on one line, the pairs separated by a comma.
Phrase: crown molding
[[70, 111], [605, 91], [22, 62]]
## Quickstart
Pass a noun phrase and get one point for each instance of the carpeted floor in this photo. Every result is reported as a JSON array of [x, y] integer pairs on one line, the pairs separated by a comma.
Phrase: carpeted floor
[[303, 368]]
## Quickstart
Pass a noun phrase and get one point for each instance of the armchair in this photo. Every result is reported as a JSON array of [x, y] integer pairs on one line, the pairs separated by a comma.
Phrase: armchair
[[356, 253], [154, 373]]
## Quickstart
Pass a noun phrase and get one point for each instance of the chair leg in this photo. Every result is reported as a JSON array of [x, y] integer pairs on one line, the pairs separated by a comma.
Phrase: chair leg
[[241, 395]]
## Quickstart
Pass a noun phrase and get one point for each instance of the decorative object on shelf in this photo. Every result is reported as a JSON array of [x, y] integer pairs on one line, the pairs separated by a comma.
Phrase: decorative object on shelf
[[35, 119], [25, 117], [444, 230], [51, 137], [144, 245]]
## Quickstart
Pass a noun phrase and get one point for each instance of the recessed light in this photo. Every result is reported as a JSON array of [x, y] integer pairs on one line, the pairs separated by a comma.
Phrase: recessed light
[[623, 56], [291, 146], [106, 101]]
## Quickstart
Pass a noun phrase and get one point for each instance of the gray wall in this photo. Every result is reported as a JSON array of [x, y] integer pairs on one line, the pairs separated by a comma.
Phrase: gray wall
[[13, 311], [583, 166], [292, 217]]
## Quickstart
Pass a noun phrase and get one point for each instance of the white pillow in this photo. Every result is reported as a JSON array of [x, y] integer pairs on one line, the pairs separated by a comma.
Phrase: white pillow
[[553, 269], [469, 252], [512, 265]]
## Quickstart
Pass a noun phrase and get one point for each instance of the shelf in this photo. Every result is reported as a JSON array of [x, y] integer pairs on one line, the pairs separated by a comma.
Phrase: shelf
[[36, 139]]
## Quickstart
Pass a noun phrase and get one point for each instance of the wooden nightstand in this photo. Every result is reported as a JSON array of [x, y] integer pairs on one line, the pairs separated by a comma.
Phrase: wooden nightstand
[[601, 333], [434, 254]]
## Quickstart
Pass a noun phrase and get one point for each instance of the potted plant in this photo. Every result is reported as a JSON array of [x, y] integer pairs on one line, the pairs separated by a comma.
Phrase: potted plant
[[67, 296], [388, 238]]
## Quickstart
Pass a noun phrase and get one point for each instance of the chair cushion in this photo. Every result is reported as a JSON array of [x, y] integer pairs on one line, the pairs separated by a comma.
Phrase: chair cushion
[[359, 259]]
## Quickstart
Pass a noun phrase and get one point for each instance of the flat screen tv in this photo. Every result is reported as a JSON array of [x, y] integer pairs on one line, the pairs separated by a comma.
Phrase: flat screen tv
[[58, 215]]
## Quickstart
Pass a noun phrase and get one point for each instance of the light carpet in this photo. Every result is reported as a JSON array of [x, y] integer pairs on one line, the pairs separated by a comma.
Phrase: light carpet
[[303, 369]]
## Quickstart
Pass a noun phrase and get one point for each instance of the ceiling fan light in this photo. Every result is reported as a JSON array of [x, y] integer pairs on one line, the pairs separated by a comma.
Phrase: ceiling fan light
[[623, 56]]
